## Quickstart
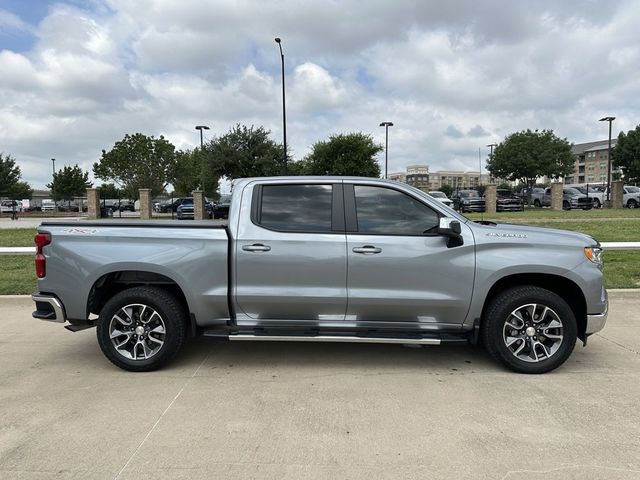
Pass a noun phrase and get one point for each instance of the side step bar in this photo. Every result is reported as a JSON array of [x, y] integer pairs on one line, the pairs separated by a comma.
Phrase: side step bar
[[332, 338]]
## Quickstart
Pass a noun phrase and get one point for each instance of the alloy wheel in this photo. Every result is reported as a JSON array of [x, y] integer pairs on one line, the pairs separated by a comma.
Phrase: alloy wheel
[[533, 332]]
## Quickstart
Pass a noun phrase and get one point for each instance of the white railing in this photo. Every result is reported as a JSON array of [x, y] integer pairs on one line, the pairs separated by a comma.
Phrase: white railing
[[605, 245]]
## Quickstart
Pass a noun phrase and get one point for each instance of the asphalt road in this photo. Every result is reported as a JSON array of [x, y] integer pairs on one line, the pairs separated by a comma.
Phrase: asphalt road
[[227, 410]]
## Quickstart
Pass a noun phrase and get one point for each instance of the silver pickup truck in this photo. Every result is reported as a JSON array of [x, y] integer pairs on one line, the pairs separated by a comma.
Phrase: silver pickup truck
[[325, 259]]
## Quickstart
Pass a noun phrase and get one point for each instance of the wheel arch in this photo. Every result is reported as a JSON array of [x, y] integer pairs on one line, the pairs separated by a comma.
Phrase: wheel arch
[[568, 290], [110, 284]]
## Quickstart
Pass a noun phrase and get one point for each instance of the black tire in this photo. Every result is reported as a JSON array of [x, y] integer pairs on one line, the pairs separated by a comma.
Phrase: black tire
[[499, 312], [596, 203], [632, 204], [566, 205], [170, 312], [537, 204]]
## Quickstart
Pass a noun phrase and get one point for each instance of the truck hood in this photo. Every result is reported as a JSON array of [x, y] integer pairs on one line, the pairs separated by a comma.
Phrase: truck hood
[[529, 234]]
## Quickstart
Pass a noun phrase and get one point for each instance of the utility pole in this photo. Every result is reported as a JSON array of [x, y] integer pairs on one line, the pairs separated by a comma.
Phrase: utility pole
[[202, 169], [610, 120]]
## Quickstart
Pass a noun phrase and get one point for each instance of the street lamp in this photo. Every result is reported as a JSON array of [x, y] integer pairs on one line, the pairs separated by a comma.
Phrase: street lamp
[[201, 128], [284, 111], [610, 120], [53, 160], [491, 146], [386, 126]]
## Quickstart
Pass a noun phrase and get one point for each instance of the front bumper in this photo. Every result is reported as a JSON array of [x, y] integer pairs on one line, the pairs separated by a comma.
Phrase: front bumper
[[48, 307], [595, 322]]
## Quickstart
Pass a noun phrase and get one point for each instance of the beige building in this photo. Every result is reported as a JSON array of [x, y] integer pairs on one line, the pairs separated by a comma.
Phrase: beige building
[[419, 176], [591, 162]]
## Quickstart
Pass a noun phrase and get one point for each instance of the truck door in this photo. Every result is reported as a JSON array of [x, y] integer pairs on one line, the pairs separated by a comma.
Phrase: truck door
[[291, 261], [400, 270]]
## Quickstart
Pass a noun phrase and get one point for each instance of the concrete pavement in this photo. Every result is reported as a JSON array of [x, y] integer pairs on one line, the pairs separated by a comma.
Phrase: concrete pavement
[[226, 410]]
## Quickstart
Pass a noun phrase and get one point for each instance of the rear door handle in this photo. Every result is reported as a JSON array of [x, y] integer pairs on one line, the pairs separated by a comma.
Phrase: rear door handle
[[256, 247], [367, 250]]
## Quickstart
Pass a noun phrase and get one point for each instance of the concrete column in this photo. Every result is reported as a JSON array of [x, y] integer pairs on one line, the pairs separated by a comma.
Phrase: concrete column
[[145, 203], [617, 194], [93, 203], [198, 205], [556, 196], [490, 198]]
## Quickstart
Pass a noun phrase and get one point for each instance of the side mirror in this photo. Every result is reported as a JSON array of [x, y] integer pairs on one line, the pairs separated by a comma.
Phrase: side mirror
[[450, 228]]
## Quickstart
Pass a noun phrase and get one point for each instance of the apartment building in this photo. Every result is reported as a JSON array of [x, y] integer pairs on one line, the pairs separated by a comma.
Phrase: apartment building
[[591, 162], [419, 176]]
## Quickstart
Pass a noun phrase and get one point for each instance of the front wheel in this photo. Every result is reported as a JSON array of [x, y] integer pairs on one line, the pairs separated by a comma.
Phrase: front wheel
[[566, 205], [141, 328], [529, 329], [632, 204]]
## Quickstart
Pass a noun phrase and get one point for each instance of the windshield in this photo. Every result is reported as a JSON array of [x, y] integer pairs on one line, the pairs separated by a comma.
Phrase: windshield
[[572, 191], [437, 195], [633, 189]]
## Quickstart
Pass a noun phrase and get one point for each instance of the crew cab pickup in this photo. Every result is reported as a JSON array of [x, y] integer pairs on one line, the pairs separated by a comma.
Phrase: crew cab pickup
[[325, 259]]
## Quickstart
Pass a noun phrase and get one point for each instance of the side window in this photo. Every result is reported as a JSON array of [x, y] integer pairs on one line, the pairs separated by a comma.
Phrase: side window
[[384, 211], [296, 208]]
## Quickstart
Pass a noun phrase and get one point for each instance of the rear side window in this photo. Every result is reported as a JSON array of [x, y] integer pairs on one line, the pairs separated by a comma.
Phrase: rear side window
[[296, 208], [383, 211]]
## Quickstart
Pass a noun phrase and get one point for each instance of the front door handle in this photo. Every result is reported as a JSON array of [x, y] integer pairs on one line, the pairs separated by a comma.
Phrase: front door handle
[[256, 247], [367, 250]]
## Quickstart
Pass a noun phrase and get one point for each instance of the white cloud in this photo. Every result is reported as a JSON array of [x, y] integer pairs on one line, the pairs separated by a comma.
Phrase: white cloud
[[452, 76]]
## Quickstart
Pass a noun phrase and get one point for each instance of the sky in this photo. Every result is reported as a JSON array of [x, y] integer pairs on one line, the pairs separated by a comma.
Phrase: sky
[[453, 76]]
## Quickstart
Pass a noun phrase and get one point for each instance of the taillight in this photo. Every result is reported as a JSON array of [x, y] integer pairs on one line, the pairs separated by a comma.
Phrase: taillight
[[41, 240]]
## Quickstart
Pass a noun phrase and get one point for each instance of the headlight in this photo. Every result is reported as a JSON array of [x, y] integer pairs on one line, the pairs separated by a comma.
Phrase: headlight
[[594, 254], [465, 202]]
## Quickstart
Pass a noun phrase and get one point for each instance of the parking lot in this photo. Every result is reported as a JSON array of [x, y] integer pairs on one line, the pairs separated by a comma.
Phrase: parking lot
[[284, 410]]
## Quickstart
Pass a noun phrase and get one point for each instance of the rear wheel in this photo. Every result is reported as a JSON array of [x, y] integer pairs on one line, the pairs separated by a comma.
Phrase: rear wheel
[[536, 203], [529, 329], [566, 205], [632, 203], [141, 328]]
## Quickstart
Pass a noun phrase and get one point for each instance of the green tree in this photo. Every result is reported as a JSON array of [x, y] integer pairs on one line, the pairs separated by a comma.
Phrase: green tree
[[243, 152], [190, 170], [69, 182], [527, 155], [109, 190], [344, 154], [11, 184], [137, 161], [626, 154]]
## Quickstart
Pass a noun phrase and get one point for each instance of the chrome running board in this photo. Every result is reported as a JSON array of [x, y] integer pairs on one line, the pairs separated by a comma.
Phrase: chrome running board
[[332, 338]]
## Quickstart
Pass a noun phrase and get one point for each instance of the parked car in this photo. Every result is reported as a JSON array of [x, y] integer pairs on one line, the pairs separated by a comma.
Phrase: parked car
[[468, 201], [631, 196], [324, 259], [571, 198], [48, 205], [221, 210], [10, 206], [442, 197], [185, 210], [507, 201], [171, 206], [123, 206]]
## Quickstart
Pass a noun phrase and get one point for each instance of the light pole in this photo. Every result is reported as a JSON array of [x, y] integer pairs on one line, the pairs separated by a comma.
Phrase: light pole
[[386, 126], [202, 169], [491, 146], [284, 110], [610, 120], [53, 160]]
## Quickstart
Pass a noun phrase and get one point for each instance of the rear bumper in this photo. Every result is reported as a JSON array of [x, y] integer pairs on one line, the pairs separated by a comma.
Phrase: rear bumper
[[48, 307]]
